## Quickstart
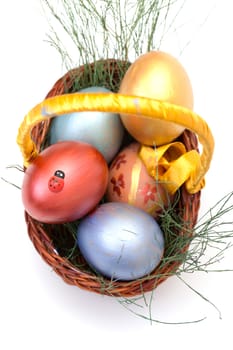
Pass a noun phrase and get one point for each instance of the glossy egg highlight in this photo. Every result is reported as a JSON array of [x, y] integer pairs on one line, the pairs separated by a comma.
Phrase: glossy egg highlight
[[120, 241], [64, 182], [160, 76], [102, 130], [129, 182]]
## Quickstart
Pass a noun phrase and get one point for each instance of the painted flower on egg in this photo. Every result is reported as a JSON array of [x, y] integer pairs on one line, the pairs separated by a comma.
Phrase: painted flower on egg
[[118, 184], [130, 182], [149, 193]]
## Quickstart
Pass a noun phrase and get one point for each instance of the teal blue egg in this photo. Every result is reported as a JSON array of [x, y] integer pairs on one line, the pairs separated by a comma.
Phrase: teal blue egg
[[102, 130], [120, 241]]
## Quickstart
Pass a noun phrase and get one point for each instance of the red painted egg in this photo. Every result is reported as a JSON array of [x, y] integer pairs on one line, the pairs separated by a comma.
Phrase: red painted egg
[[65, 182], [130, 182]]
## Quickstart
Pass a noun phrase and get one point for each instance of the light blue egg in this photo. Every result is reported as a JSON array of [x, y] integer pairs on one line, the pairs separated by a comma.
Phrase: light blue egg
[[120, 241], [102, 130]]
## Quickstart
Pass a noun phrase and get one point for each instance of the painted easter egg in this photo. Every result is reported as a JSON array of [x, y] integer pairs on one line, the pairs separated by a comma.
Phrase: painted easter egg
[[120, 241], [64, 182], [102, 130], [130, 182], [160, 76]]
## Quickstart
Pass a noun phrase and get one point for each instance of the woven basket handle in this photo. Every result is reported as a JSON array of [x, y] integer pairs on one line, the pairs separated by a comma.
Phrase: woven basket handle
[[117, 103]]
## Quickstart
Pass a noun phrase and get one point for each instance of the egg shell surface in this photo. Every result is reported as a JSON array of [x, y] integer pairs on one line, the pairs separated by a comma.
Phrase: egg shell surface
[[64, 182], [160, 76], [120, 241], [130, 182], [102, 130]]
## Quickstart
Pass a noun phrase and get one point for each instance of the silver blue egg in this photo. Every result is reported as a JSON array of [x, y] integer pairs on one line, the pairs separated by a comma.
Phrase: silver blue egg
[[120, 241], [102, 130]]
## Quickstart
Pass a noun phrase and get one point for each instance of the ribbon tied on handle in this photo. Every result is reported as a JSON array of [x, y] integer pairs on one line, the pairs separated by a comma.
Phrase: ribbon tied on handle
[[176, 166]]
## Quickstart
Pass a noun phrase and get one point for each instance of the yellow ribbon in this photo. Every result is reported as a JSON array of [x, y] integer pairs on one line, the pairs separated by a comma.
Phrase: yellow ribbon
[[118, 103], [171, 164]]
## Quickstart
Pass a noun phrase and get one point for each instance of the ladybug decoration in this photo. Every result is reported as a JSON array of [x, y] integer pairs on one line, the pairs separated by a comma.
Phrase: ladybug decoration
[[64, 182], [56, 182]]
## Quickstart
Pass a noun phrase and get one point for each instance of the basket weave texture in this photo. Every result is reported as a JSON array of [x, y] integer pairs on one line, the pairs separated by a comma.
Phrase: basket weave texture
[[42, 236]]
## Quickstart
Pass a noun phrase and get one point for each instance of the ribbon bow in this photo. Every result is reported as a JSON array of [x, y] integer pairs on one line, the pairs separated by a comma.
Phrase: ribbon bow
[[171, 164]]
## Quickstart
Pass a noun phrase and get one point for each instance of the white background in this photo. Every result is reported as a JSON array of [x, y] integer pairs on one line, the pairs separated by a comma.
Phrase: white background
[[37, 309]]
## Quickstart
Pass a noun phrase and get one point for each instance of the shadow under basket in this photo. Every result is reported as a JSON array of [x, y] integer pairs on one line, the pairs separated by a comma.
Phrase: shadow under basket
[[107, 73]]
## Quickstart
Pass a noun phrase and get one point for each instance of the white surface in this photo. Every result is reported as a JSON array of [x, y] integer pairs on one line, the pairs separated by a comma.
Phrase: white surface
[[38, 310]]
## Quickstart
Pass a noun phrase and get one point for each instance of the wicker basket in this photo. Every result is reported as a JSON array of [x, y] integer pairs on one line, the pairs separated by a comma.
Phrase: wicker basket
[[43, 236]]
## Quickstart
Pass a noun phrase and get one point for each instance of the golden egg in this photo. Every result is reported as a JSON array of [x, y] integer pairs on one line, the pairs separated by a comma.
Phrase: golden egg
[[160, 76]]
